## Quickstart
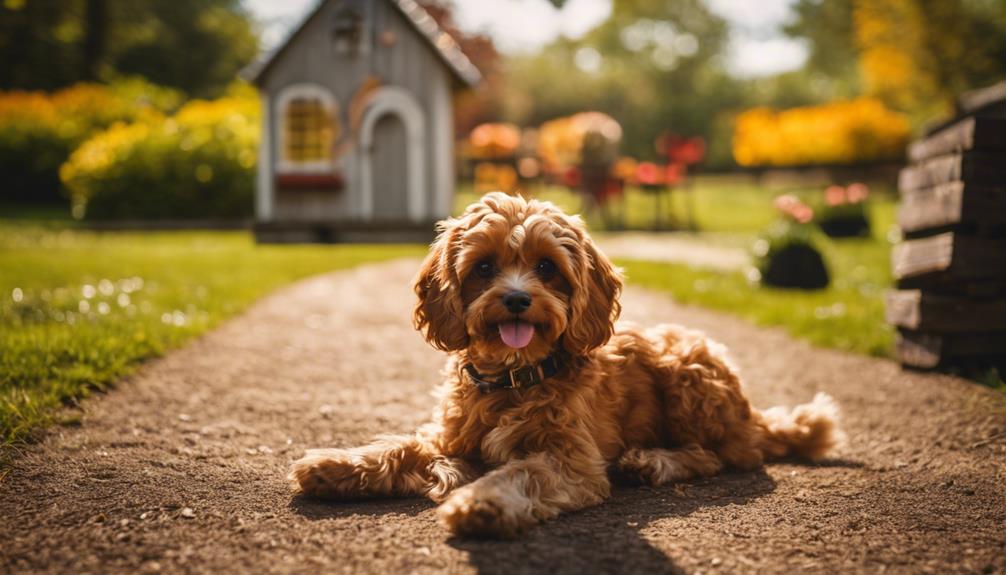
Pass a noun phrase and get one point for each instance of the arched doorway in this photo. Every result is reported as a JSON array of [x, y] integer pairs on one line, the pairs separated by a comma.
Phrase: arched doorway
[[392, 158], [389, 157]]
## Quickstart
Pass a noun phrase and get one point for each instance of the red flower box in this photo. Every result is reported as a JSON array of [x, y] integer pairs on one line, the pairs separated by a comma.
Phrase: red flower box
[[333, 181]]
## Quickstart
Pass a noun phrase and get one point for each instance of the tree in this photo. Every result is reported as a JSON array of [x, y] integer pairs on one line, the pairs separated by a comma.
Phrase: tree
[[833, 60], [195, 45], [652, 65], [483, 104], [915, 55]]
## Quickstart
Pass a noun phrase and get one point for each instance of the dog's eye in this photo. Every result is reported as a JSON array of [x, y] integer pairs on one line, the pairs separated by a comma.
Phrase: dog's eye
[[546, 269], [485, 270]]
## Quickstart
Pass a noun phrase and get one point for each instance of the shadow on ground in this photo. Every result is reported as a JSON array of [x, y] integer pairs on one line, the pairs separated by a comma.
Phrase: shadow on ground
[[316, 509], [611, 538], [605, 539]]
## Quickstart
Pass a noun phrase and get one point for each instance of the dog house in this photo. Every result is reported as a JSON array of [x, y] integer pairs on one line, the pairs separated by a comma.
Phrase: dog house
[[357, 131]]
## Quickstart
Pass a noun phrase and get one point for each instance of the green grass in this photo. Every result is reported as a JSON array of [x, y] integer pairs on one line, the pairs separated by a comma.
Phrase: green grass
[[79, 309], [848, 315]]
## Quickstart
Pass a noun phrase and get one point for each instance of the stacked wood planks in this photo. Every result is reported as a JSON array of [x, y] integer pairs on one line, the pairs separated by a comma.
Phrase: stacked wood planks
[[950, 305]]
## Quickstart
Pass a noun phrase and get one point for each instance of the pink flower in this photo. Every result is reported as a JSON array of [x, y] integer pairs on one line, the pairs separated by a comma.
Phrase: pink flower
[[834, 195], [785, 203], [803, 214], [858, 192], [794, 209]]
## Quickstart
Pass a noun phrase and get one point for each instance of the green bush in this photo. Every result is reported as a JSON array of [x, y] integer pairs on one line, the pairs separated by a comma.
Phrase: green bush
[[787, 256], [843, 213], [197, 164], [38, 131]]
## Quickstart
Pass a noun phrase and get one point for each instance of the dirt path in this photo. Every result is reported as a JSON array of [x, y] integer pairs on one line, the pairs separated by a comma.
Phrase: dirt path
[[181, 469], [674, 247]]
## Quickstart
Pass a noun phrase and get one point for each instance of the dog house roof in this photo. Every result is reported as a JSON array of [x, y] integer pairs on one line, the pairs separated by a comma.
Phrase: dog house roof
[[443, 44]]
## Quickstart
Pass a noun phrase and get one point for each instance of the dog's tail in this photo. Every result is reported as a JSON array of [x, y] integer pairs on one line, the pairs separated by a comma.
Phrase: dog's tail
[[807, 431]]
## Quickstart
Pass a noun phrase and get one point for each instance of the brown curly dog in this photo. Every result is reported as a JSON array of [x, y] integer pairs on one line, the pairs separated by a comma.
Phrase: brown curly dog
[[544, 394]]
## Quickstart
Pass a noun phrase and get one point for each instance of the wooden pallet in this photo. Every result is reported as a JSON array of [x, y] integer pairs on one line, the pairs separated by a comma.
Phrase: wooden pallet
[[976, 167], [929, 350], [950, 305], [949, 257], [933, 313], [968, 134], [982, 209]]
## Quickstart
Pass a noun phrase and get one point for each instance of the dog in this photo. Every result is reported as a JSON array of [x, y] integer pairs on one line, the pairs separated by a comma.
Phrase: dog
[[544, 397]]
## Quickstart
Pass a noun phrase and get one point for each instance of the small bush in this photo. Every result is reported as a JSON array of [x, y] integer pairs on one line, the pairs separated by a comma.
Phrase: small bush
[[843, 213], [786, 255], [197, 164]]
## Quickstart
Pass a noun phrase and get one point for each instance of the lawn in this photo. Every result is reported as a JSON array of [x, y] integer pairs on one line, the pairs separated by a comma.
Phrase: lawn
[[80, 309], [848, 315]]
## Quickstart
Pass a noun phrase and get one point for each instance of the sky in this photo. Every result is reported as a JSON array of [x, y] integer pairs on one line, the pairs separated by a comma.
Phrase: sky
[[757, 46]]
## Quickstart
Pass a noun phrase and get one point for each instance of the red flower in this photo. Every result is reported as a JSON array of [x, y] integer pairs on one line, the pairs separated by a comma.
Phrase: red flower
[[648, 173]]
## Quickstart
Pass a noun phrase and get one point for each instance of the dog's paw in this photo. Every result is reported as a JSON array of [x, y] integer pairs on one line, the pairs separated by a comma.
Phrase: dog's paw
[[325, 473], [468, 513]]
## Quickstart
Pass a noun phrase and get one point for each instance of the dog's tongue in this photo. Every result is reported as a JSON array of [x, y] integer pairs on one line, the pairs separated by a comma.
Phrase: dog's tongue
[[516, 334]]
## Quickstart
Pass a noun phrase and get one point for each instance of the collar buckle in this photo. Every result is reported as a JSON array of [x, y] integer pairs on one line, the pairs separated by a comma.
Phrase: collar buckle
[[524, 377]]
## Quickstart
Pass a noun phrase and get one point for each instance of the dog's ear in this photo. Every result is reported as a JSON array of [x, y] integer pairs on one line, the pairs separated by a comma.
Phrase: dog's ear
[[594, 306], [438, 313]]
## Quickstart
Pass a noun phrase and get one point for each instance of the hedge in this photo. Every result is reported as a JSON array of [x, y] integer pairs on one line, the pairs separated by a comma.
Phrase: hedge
[[38, 131], [197, 164]]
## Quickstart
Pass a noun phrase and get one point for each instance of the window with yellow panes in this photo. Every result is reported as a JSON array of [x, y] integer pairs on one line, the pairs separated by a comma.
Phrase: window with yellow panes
[[310, 131]]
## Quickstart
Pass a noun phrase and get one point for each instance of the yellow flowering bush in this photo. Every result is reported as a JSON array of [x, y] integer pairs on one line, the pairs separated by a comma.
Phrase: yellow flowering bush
[[844, 132], [197, 164], [38, 131]]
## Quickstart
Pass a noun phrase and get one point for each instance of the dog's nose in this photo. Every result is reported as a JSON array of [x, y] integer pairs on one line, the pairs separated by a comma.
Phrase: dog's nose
[[517, 301]]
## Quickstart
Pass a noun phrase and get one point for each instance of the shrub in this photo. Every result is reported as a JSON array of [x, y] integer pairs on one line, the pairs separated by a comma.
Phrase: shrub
[[843, 213], [861, 130], [196, 164], [38, 131], [786, 254]]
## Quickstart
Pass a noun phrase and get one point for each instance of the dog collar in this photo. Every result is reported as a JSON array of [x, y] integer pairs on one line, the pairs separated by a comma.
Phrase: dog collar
[[520, 378]]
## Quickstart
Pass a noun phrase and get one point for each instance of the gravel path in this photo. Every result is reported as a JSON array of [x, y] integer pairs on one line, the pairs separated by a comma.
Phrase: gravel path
[[181, 469]]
